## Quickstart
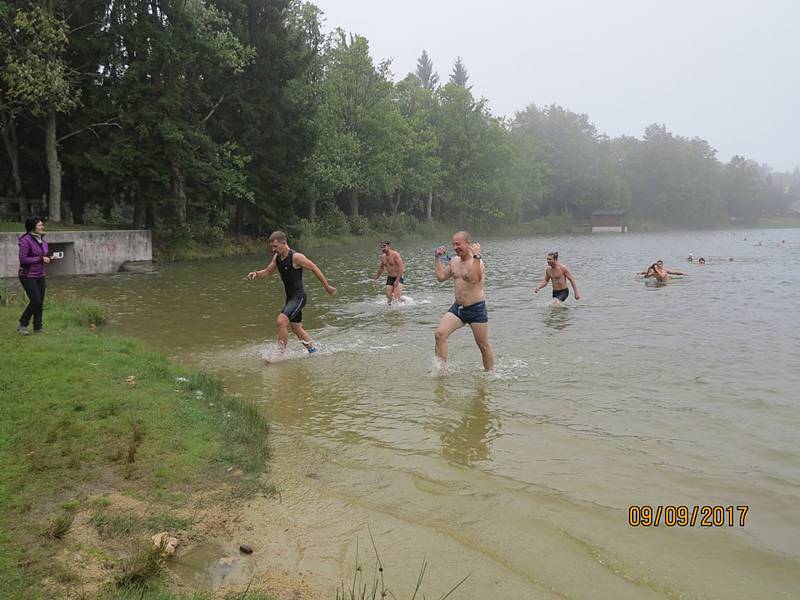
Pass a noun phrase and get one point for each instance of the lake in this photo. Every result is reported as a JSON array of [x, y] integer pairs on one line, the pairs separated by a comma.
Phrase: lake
[[687, 394]]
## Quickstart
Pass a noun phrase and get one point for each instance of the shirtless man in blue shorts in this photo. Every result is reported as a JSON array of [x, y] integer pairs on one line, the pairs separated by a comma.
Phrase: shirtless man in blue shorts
[[467, 270]]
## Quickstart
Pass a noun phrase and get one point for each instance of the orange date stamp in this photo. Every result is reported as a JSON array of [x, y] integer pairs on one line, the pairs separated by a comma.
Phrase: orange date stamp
[[670, 515]]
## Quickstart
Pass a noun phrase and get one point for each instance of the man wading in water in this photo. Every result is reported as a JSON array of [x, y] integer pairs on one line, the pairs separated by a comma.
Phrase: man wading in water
[[393, 264], [290, 265], [560, 274], [467, 269]]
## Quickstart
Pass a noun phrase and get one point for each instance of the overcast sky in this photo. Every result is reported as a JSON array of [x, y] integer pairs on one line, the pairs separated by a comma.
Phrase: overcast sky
[[726, 71]]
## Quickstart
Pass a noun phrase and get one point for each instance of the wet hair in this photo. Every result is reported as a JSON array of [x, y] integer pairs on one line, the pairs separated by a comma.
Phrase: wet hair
[[659, 262], [553, 254], [386, 243], [702, 260], [31, 222], [277, 236], [464, 234]]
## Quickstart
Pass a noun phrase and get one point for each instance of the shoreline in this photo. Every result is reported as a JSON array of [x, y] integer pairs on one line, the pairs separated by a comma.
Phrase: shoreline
[[106, 444], [170, 251]]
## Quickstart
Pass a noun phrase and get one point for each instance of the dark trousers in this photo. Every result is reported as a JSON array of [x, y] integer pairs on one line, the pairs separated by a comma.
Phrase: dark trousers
[[34, 288]]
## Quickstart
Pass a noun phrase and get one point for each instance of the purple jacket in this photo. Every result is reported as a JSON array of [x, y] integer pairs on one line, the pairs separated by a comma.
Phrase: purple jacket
[[31, 255]]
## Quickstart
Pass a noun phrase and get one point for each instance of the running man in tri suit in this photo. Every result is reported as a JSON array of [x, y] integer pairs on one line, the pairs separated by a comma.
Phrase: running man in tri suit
[[290, 265], [467, 269], [392, 263], [560, 275]]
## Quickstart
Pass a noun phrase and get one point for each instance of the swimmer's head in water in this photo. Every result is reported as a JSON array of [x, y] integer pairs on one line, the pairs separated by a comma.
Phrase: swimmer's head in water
[[461, 243], [701, 260], [552, 258], [660, 262], [277, 240]]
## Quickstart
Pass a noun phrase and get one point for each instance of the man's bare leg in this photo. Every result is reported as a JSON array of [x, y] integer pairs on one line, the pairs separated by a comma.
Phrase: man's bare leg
[[397, 292], [388, 291], [480, 332], [302, 335], [447, 325], [283, 332]]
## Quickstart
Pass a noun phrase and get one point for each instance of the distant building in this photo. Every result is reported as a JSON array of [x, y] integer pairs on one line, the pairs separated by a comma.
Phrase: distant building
[[612, 221]]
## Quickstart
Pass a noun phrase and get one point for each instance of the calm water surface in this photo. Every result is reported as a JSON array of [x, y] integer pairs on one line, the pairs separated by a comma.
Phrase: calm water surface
[[685, 394]]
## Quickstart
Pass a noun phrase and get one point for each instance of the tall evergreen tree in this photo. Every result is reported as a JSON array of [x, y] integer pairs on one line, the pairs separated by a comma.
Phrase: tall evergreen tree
[[428, 78], [459, 76]]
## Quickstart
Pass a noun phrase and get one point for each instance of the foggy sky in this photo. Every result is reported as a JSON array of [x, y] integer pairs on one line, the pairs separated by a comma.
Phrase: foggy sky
[[725, 71]]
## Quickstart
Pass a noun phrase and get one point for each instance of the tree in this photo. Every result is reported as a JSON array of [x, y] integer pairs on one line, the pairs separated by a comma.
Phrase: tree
[[673, 180], [37, 81], [270, 109], [159, 80], [422, 165], [459, 76], [744, 190], [358, 98], [428, 78], [581, 173]]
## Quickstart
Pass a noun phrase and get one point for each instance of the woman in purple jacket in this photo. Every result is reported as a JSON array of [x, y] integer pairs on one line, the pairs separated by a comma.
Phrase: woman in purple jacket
[[34, 254]]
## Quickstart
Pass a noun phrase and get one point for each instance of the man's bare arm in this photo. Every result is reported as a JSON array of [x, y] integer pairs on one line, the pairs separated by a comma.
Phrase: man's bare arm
[[380, 270], [544, 282], [675, 272], [300, 260], [401, 264], [477, 268], [571, 279], [442, 273], [266, 271]]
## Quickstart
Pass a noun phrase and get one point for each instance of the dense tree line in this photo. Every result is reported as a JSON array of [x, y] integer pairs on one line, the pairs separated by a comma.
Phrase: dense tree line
[[198, 117]]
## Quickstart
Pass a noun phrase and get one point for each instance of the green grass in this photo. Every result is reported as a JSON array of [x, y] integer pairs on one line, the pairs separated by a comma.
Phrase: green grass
[[166, 250], [779, 222], [73, 430]]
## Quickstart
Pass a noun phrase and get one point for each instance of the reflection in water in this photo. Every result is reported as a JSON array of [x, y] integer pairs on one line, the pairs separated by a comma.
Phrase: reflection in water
[[394, 317], [558, 317], [468, 439]]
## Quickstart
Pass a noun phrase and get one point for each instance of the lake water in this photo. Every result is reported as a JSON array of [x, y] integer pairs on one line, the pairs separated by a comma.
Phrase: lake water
[[685, 394]]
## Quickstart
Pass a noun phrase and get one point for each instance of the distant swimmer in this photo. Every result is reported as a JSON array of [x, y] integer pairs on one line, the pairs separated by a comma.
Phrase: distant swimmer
[[560, 275], [701, 261], [689, 258], [392, 263], [467, 269], [290, 265], [657, 271], [660, 264]]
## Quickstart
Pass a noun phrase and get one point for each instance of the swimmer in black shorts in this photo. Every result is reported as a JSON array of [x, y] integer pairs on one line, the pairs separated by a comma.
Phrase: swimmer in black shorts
[[392, 263], [290, 265], [560, 275]]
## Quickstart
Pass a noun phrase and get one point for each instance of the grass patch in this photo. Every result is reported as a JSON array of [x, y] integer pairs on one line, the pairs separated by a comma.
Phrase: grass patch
[[116, 524], [87, 414], [170, 249], [60, 525], [141, 568], [779, 222]]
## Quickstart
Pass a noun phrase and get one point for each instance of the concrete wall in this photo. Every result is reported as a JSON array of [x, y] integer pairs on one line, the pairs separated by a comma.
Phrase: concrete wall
[[85, 252]]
